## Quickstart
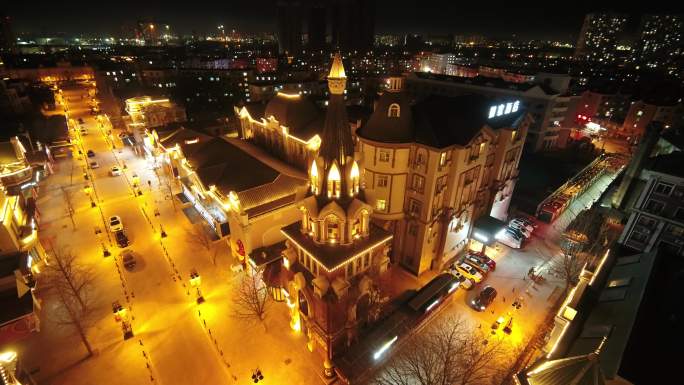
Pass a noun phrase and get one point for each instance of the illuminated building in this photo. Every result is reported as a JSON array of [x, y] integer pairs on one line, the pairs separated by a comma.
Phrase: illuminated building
[[598, 39], [146, 113], [641, 113], [250, 203], [433, 167], [659, 41], [20, 252], [266, 64], [7, 38], [152, 33], [334, 254], [546, 97]]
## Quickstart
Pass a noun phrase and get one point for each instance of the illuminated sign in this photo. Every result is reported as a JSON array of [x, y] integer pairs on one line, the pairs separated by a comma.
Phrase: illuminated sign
[[504, 109]]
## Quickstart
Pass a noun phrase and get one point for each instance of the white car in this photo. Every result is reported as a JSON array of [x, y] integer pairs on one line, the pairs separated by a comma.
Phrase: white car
[[469, 272], [115, 224], [519, 223], [115, 171], [524, 230], [507, 239], [94, 165]]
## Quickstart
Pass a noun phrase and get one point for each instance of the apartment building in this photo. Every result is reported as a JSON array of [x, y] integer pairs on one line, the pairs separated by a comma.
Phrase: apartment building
[[434, 166]]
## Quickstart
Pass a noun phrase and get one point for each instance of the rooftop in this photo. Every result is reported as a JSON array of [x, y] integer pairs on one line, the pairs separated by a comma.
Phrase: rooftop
[[670, 164], [331, 256]]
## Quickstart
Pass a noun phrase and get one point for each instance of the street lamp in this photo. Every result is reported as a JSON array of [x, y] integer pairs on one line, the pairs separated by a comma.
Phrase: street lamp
[[87, 189], [121, 315], [196, 281]]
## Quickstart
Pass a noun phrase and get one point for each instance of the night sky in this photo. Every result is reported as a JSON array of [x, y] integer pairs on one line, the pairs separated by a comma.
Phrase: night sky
[[543, 20]]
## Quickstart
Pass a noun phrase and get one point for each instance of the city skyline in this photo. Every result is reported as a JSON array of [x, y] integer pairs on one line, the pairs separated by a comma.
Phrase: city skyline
[[393, 17]]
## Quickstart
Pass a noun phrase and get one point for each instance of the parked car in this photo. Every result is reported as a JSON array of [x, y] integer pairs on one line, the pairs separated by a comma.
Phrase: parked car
[[522, 224], [469, 272], [115, 171], [115, 224], [527, 220], [128, 259], [80, 120], [465, 282], [121, 239], [94, 165], [479, 266], [484, 259], [515, 233], [484, 299], [522, 229], [91, 154], [509, 240], [83, 131], [123, 135]]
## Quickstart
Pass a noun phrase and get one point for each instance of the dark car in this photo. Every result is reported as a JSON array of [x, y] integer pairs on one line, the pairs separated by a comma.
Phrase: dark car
[[91, 154], [484, 299], [128, 259], [121, 239], [484, 259], [80, 120]]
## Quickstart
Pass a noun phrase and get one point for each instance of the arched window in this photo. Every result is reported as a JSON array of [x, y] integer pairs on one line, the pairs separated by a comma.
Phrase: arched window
[[354, 174], [314, 178], [332, 229], [393, 111], [334, 182]]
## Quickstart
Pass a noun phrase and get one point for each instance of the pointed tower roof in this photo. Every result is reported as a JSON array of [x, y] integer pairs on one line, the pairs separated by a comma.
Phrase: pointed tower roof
[[578, 370], [336, 139]]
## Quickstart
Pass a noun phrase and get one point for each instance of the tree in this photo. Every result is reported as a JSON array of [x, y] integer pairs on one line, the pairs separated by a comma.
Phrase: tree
[[200, 237], [251, 299], [68, 202], [73, 283], [450, 353]]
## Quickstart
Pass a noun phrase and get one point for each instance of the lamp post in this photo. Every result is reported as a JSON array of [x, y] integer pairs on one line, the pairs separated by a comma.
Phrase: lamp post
[[121, 315], [87, 189], [196, 281]]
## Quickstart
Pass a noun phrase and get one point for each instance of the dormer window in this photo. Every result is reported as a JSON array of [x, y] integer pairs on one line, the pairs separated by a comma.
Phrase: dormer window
[[334, 184], [393, 111], [314, 178], [354, 179]]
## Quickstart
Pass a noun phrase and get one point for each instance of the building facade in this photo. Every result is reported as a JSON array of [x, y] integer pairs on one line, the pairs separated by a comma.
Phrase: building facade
[[433, 167], [547, 106], [656, 219], [659, 43], [334, 254], [598, 39]]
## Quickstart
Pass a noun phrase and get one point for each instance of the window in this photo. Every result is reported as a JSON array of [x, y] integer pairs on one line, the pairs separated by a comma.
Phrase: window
[[646, 222], [654, 206], [420, 158], [679, 214], [675, 231], [381, 205], [620, 282], [314, 178], [382, 181], [413, 229], [663, 188], [638, 237], [678, 192], [333, 229], [384, 156], [355, 179], [393, 111], [418, 183], [334, 181], [442, 159], [414, 207]]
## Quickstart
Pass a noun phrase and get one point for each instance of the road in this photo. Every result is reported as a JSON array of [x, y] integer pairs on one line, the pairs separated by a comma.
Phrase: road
[[170, 335]]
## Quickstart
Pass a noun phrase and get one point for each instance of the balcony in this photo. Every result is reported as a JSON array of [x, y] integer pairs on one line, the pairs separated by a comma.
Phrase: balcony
[[15, 174]]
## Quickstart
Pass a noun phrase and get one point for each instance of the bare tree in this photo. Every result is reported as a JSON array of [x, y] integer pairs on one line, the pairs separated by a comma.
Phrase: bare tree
[[251, 299], [200, 237], [450, 353], [68, 202], [73, 283]]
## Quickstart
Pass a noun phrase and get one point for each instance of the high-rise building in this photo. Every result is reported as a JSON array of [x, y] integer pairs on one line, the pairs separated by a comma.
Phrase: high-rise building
[[599, 37], [289, 26], [660, 41], [317, 25], [353, 24], [7, 39]]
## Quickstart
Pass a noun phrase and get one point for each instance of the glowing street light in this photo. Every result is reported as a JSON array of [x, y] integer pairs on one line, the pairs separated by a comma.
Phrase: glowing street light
[[196, 281], [8, 368]]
